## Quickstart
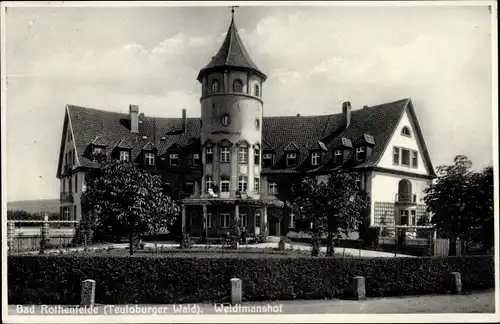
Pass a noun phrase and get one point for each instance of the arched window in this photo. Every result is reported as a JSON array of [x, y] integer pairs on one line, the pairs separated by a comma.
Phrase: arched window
[[237, 86], [406, 131], [256, 90], [215, 86], [404, 186]]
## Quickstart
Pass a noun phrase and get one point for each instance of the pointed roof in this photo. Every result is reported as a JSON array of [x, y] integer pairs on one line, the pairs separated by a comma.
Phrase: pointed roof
[[231, 54], [97, 141], [124, 144]]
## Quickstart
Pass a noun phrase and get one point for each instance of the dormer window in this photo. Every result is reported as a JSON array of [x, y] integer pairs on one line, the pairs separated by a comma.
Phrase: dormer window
[[124, 155], [97, 150], [406, 131], [149, 158], [196, 159], [291, 159], [315, 158], [237, 86], [215, 86], [267, 160], [337, 156], [360, 153], [174, 159], [209, 155], [256, 90]]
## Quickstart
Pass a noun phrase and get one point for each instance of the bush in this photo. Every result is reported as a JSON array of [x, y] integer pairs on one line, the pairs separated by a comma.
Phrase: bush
[[56, 279]]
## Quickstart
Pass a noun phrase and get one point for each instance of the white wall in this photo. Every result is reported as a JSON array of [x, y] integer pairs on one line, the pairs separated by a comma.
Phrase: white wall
[[404, 142]]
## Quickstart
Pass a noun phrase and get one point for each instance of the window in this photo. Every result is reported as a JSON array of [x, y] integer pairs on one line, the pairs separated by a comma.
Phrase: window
[[404, 217], [74, 156], [337, 156], [257, 123], [242, 184], [272, 188], [196, 159], [414, 159], [225, 120], [360, 153], [395, 157], [257, 218], [224, 184], [243, 155], [243, 220], [209, 183], [405, 157], [192, 220], [406, 131], [76, 183], [66, 213], [174, 159], [97, 150], [209, 220], [124, 156], [256, 90], [74, 212], [256, 185], [70, 186], [209, 155], [70, 158], [291, 159], [413, 217], [225, 154], [149, 158], [237, 86], [315, 158], [224, 220], [69, 137], [267, 160], [215, 86], [64, 185], [256, 157]]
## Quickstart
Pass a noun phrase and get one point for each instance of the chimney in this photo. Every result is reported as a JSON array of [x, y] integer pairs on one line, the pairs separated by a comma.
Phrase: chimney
[[298, 115], [184, 121], [134, 118], [346, 111], [365, 106]]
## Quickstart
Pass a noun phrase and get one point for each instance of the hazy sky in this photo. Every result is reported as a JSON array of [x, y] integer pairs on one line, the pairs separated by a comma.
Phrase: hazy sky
[[315, 58]]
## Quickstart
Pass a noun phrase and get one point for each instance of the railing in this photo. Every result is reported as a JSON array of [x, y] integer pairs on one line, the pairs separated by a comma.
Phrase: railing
[[66, 197], [406, 198], [232, 194]]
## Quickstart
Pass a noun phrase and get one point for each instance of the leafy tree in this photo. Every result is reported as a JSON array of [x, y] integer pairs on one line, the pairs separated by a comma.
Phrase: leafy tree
[[461, 202], [122, 199], [333, 206]]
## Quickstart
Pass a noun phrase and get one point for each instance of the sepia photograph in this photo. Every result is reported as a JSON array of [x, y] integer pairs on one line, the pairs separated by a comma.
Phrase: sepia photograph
[[271, 161]]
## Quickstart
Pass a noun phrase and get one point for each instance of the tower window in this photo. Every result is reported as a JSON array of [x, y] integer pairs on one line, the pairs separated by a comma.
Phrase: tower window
[[215, 86], [209, 155], [225, 154], [237, 86], [225, 120], [256, 90]]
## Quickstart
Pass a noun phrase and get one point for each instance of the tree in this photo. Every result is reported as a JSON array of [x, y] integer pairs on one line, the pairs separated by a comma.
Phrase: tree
[[333, 206], [122, 199], [461, 202]]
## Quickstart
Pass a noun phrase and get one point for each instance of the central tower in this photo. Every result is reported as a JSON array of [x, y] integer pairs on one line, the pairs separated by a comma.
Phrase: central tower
[[231, 120]]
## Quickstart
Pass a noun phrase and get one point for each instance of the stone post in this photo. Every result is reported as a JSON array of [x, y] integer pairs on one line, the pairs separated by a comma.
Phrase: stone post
[[455, 283], [183, 219], [236, 294], [358, 289], [88, 293], [265, 226], [205, 222], [235, 243]]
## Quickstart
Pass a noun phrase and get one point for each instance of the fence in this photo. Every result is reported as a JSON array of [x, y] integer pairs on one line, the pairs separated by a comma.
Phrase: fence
[[27, 235]]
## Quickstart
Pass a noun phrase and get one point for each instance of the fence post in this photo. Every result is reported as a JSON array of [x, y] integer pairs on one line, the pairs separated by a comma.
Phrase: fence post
[[236, 294], [10, 235], [88, 293]]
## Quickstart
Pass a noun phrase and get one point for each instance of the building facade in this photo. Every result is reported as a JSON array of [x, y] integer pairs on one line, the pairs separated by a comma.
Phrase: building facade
[[235, 166]]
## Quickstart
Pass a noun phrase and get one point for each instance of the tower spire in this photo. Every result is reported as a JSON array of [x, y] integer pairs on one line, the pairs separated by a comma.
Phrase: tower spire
[[232, 11]]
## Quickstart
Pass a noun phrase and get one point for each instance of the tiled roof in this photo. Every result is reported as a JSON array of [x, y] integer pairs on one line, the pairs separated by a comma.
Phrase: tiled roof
[[305, 132], [232, 53]]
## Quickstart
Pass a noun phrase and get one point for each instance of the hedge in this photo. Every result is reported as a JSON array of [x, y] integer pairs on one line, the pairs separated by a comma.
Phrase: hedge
[[56, 279]]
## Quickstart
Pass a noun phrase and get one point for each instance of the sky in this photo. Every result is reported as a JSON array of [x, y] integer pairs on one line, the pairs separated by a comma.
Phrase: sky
[[315, 58]]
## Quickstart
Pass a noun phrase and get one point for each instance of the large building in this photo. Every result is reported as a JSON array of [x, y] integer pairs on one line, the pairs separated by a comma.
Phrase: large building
[[234, 163]]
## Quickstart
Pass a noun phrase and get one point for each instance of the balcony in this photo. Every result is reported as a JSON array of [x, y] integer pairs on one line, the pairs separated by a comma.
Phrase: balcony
[[66, 197], [406, 198]]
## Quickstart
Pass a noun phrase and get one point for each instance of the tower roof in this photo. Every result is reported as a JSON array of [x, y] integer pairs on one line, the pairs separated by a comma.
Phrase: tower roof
[[232, 54]]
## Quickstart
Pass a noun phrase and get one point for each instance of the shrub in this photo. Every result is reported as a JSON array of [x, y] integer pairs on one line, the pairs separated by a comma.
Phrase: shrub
[[56, 279]]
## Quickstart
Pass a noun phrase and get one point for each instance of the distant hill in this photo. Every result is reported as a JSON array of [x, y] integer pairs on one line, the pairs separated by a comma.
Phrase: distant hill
[[34, 206]]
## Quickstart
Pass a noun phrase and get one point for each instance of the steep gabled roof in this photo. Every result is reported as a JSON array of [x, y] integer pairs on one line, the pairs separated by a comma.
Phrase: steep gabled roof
[[97, 141], [291, 147], [304, 132], [124, 144], [231, 54]]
